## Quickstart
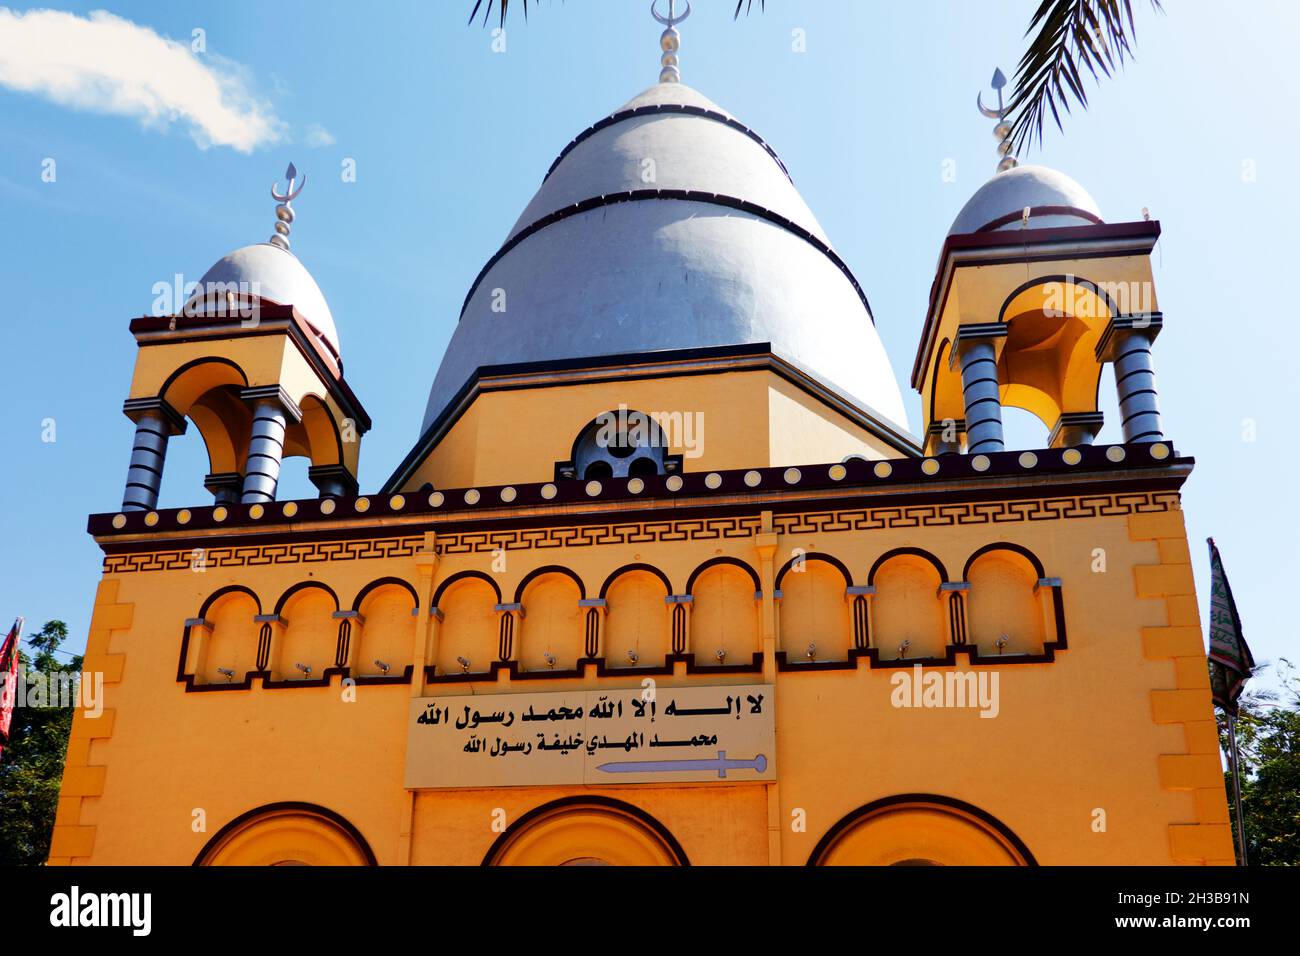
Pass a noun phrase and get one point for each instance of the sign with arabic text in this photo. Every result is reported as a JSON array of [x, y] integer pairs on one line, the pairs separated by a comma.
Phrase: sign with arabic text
[[598, 737]]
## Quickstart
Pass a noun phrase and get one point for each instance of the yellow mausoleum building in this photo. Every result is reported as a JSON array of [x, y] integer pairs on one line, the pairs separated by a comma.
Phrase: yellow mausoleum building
[[666, 578]]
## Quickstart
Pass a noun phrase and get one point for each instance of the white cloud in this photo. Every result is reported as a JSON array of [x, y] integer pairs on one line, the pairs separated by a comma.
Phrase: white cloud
[[106, 64], [316, 136]]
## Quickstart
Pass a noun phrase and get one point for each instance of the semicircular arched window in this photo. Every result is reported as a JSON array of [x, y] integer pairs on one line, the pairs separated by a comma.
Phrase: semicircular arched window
[[623, 443]]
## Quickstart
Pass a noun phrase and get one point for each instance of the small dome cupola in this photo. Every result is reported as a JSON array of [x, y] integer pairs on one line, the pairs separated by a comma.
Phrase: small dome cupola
[[1052, 199], [262, 382], [269, 272]]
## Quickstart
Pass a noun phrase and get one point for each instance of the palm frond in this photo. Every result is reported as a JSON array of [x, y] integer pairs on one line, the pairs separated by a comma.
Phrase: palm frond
[[487, 10], [1093, 34], [748, 5]]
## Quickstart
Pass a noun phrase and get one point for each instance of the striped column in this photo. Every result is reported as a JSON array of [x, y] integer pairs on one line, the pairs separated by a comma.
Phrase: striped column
[[977, 350], [273, 412], [155, 422], [1127, 342]]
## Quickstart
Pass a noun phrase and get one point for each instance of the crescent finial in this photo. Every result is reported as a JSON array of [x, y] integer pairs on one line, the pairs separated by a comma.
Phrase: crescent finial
[[672, 19], [283, 213]]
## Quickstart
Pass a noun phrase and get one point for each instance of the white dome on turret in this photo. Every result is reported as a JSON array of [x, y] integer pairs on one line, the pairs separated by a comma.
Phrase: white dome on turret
[[1054, 200], [275, 275]]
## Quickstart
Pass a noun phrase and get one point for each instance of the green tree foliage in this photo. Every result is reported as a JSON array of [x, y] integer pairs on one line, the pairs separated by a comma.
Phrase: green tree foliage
[[31, 766], [1268, 737]]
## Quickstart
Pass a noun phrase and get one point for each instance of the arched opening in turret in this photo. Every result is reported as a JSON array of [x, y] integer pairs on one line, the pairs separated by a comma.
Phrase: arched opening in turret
[[206, 393]]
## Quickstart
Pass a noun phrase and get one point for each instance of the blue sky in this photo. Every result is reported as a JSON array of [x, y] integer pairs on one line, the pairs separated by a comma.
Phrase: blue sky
[[450, 139]]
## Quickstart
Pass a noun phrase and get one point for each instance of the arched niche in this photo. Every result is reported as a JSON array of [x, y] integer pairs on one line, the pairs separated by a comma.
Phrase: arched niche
[[1004, 604], [289, 834], [310, 632], [908, 607], [586, 831], [637, 620], [469, 627], [552, 623], [920, 829], [724, 614], [813, 610], [388, 632], [233, 642]]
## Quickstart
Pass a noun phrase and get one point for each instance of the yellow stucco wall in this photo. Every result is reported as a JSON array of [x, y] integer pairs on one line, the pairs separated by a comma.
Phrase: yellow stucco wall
[[1120, 721], [751, 419]]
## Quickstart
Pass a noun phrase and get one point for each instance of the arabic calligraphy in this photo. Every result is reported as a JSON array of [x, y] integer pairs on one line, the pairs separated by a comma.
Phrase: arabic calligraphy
[[577, 737]]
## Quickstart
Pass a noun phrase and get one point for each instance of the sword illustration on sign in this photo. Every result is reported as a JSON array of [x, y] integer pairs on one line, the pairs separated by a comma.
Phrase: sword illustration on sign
[[720, 764]]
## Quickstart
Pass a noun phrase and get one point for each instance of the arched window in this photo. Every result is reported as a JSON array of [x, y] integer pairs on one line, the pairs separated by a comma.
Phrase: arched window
[[310, 634], [1005, 615], [724, 616], [388, 634], [469, 628], [596, 831], [619, 444], [552, 624], [638, 621], [288, 834], [814, 616], [920, 830], [233, 644], [907, 608]]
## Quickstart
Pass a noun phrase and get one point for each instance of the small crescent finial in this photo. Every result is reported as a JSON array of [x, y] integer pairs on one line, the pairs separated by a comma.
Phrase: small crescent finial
[[670, 41], [283, 212], [1003, 130]]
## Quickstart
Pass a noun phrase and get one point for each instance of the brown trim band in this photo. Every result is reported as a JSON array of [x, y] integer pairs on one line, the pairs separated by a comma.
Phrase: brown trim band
[[681, 195]]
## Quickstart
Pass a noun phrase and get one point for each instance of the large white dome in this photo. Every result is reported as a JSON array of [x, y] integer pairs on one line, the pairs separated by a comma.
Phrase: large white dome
[[669, 225]]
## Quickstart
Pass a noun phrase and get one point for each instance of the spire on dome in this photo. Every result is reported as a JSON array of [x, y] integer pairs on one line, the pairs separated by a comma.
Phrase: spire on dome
[[283, 213], [670, 40], [1003, 130]]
